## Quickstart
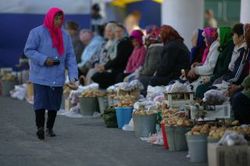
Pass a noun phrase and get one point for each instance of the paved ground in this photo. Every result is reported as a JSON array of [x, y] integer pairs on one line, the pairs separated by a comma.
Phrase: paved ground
[[80, 142]]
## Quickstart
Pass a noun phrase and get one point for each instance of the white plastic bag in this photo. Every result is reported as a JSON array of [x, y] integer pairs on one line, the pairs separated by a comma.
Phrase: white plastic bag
[[231, 138], [129, 127], [214, 97], [178, 87], [19, 92]]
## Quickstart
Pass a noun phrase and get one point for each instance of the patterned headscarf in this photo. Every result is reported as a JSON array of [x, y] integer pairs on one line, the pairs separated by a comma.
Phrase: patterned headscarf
[[153, 34], [168, 33]]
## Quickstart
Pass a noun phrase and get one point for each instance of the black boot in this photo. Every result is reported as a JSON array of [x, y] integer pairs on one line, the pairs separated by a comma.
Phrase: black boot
[[40, 133], [40, 119], [50, 123], [50, 133]]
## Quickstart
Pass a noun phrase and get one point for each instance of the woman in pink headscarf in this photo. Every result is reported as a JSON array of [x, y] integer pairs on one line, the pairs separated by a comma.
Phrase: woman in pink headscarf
[[50, 51], [137, 57], [209, 58]]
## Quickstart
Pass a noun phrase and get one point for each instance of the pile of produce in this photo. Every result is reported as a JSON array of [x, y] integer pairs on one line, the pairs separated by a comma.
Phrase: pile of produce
[[145, 108], [8, 77], [173, 117]]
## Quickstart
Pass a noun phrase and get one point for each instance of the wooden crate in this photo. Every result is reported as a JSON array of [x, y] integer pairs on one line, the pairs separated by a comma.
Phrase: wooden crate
[[228, 155], [176, 100]]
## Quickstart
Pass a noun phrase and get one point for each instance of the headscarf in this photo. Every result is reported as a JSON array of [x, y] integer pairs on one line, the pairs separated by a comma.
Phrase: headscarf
[[200, 45], [168, 33], [153, 34], [211, 35], [55, 32], [247, 34], [225, 34], [246, 28], [137, 35]]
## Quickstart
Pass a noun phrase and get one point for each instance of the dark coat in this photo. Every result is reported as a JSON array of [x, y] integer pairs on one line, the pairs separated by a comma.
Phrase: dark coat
[[174, 58], [124, 50]]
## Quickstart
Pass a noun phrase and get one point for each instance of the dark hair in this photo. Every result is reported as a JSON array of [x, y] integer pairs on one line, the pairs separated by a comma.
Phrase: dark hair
[[100, 30], [72, 25], [238, 29], [121, 26], [60, 13], [247, 37], [96, 7], [209, 11]]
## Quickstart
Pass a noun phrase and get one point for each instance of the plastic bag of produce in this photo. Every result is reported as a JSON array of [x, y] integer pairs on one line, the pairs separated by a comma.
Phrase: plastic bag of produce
[[231, 138], [214, 97]]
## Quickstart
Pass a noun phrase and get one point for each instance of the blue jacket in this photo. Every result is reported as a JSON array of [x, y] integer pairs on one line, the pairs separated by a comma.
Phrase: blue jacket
[[38, 48], [91, 51]]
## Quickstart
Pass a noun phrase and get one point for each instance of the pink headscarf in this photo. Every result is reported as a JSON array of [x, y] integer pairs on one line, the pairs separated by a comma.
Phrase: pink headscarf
[[211, 35], [137, 35], [55, 33]]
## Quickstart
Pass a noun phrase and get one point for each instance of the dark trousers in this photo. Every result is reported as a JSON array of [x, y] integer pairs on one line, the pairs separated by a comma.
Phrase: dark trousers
[[241, 108], [105, 79], [40, 118]]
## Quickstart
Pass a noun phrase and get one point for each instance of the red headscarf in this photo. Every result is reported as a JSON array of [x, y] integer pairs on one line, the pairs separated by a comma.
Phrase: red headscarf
[[211, 35], [153, 34], [55, 32], [168, 33]]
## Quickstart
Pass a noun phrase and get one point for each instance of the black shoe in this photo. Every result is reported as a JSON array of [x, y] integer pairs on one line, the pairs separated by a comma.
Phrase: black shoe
[[40, 133], [50, 133]]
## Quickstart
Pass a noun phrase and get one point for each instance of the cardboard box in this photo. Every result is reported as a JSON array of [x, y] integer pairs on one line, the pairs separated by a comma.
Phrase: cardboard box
[[67, 104], [228, 155], [30, 92]]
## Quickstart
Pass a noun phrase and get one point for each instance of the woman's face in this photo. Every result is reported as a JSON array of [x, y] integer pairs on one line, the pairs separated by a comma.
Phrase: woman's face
[[237, 39], [109, 33], [58, 20], [119, 33], [135, 43], [205, 40]]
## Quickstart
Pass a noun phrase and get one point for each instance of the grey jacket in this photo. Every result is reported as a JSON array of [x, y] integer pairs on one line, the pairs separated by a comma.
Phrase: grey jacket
[[152, 59]]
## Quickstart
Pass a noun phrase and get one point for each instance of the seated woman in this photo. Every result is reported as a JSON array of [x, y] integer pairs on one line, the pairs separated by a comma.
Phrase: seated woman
[[106, 74], [107, 50], [238, 66], [137, 57], [153, 57], [209, 58], [226, 49], [198, 46], [174, 57], [232, 64], [241, 103]]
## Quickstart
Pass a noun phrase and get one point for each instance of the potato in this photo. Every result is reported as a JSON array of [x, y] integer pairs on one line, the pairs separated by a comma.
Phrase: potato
[[235, 123]]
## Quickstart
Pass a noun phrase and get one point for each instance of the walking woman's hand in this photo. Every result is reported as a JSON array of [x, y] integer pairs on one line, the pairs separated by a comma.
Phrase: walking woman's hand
[[72, 85], [49, 62]]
